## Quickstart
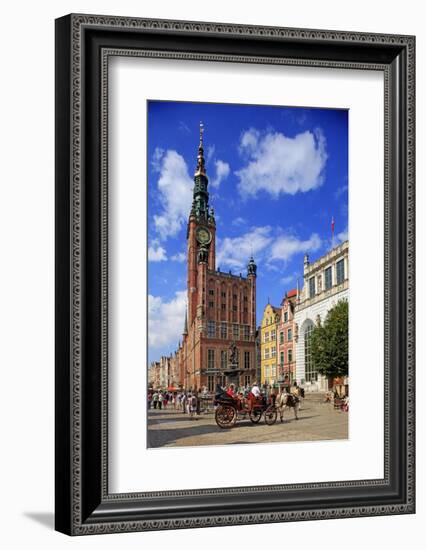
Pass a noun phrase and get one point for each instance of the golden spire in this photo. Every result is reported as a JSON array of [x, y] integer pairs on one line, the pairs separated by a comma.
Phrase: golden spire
[[201, 168]]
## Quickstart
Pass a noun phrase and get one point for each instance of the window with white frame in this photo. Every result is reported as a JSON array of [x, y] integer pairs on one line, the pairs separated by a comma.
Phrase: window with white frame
[[311, 374]]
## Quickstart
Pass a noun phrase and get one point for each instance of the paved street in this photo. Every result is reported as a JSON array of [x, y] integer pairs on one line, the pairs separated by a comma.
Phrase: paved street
[[317, 421]]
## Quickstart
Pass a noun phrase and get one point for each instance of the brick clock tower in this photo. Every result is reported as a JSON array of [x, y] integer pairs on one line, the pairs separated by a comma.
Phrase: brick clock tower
[[221, 306]]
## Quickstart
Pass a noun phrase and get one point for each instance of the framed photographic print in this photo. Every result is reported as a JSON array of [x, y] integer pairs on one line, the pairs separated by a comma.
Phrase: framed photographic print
[[234, 274]]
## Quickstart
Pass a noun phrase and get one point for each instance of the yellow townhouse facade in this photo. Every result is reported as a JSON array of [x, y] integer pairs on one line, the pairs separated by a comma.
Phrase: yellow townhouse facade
[[268, 345]]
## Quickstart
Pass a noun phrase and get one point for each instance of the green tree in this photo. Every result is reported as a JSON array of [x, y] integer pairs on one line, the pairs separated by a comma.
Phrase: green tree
[[329, 342]]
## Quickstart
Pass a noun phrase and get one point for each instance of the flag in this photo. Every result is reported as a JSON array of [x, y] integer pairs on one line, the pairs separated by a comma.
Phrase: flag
[[332, 225]]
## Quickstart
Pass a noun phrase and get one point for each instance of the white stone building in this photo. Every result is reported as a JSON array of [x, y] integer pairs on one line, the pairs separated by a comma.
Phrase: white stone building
[[326, 281], [159, 373]]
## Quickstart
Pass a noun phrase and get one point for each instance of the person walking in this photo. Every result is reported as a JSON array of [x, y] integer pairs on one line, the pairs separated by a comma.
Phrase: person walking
[[188, 401], [198, 403], [192, 405], [155, 399], [296, 392], [160, 400]]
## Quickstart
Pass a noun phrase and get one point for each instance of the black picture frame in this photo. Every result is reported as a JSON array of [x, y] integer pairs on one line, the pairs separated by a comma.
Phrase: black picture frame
[[83, 45]]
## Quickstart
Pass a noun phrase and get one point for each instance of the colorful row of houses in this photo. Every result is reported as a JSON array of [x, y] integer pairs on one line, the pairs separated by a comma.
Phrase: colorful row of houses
[[285, 330]]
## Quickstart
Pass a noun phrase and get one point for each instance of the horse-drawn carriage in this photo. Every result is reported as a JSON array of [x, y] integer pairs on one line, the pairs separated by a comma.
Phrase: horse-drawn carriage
[[230, 409]]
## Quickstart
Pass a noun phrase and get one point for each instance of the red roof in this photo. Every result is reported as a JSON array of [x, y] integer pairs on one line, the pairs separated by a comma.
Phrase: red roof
[[292, 293]]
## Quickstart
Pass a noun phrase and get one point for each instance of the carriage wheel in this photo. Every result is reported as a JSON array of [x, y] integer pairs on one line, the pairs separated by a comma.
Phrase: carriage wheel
[[225, 416], [255, 415], [271, 415]]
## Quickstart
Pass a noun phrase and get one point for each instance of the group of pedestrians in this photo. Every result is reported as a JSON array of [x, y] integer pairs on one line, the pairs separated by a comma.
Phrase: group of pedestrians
[[186, 402], [160, 399], [190, 403]]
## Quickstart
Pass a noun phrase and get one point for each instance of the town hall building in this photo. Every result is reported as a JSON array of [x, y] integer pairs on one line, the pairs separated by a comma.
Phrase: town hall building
[[221, 306]]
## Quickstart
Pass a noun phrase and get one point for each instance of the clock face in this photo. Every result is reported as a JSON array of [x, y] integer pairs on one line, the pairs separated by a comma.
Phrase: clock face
[[203, 235]]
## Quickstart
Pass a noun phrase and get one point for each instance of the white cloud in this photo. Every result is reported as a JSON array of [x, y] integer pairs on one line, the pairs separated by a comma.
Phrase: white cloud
[[210, 152], [286, 280], [249, 141], [268, 245], [156, 253], [235, 252], [222, 172], [156, 159], [280, 164], [237, 222], [286, 246], [165, 320], [179, 257], [175, 193], [341, 191], [344, 235]]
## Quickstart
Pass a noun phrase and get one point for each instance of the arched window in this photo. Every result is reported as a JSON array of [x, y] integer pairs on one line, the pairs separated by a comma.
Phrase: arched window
[[311, 375]]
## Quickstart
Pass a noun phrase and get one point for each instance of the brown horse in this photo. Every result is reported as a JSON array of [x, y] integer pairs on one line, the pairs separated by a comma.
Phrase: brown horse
[[287, 401]]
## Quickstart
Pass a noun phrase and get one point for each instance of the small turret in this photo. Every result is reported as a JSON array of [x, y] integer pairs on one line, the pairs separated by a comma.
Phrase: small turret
[[251, 267]]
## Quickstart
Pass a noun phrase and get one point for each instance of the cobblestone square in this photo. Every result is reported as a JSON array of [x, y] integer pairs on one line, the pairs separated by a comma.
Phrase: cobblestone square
[[318, 421]]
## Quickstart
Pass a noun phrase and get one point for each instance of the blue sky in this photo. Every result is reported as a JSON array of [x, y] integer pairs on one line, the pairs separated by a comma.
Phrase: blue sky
[[277, 176]]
